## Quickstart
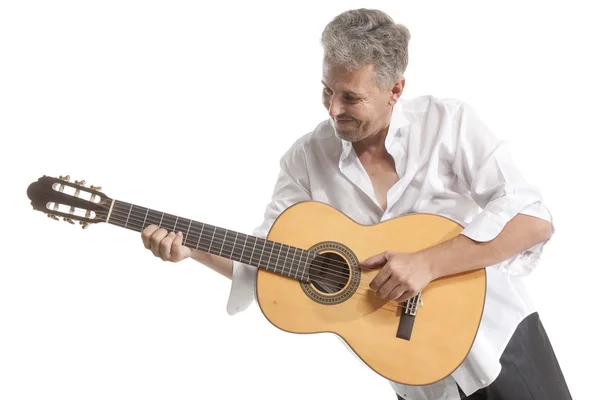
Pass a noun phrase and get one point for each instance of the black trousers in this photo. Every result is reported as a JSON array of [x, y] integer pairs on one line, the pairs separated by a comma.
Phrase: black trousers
[[530, 370]]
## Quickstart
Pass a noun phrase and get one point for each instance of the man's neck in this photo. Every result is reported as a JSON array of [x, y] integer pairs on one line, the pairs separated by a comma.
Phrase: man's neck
[[373, 146]]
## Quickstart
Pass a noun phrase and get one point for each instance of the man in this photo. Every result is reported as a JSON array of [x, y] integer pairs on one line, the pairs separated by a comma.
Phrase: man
[[380, 156]]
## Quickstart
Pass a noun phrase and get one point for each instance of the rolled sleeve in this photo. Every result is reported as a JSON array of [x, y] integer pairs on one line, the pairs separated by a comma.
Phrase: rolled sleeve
[[485, 166], [291, 187]]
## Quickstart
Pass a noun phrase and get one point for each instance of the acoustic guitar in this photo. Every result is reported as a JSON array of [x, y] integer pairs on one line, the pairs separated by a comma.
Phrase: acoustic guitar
[[309, 279]]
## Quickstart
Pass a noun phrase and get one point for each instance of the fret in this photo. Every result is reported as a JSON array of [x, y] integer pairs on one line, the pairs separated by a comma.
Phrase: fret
[[234, 244], [211, 239], [145, 217], [278, 254], [269, 260], [305, 274], [153, 217], [199, 237], [262, 251], [227, 248], [164, 221], [182, 222], [240, 250], [175, 225], [244, 249], [223, 242], [114, 213], [253, 249], [187, 232], [166, 225], [122, 210], [237, 246], [128, 215], [274, 264], [220, 236], [236, 253], [292, 265], [300, 263], [245, 256], [285, 260], [306, 266], [159, 220], [131, 219], [135, 218]]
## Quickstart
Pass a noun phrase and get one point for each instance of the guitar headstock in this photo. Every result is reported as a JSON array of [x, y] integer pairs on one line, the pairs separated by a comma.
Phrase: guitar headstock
[[73, 201]]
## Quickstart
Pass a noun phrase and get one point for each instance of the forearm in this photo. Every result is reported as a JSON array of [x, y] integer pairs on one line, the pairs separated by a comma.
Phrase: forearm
[[221, 265], [462, 254]]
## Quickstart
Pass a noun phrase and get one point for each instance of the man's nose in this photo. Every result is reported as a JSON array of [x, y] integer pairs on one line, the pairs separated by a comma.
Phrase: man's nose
[[336, 106]]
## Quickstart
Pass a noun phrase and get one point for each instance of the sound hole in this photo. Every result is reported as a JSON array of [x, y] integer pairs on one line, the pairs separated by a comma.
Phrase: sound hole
[[329, 272]]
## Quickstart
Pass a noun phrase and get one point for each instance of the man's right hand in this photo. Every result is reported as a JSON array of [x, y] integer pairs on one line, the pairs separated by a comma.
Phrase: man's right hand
[[165, 245]]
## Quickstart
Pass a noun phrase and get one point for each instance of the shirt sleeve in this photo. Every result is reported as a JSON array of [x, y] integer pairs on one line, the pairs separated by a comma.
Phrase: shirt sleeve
[[291, 187], [485, 166]]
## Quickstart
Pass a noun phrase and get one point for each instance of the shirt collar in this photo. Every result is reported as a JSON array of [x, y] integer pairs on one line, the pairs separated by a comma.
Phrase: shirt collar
[[397, 121]]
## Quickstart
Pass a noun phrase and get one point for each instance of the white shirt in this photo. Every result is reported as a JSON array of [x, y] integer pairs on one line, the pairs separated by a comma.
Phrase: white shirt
[[450, 164]]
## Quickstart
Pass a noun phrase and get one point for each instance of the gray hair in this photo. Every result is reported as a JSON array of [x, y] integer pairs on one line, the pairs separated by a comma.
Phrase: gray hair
[[359, 37]]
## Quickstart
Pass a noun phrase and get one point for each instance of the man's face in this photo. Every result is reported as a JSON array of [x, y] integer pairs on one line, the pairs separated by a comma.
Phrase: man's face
[[357, 106]]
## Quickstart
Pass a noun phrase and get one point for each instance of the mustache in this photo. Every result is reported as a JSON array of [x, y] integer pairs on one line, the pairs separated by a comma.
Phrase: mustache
[[345, 116]]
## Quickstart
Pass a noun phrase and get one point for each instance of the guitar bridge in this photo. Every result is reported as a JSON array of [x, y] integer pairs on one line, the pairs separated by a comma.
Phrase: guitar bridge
[[412, 305], [407, 319]]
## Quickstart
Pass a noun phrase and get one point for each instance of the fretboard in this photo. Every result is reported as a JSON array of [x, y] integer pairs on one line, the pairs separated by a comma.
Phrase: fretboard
[[258, 252]]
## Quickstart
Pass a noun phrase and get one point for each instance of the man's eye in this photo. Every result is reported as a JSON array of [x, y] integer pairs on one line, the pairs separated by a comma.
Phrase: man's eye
[[351, 99]]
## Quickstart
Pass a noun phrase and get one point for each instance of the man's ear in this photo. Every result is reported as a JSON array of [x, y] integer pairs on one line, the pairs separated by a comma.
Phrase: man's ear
[[397, 90]]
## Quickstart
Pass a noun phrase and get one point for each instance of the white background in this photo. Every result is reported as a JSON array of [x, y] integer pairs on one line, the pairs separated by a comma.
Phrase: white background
[[186, 107]]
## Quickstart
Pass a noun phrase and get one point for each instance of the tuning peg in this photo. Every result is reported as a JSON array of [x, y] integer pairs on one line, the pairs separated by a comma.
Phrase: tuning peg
[[98, 188], [52, 216], [84, 224], [69, 220], [66, 178], [80, 183]]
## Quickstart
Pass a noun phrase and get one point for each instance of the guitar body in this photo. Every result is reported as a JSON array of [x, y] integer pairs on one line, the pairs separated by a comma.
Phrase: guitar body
[[444, 326]]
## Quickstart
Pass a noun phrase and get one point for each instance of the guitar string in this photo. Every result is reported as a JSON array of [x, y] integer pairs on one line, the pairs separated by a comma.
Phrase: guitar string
[[393, 303], [321, 279], [259, 247], [219, 237], [396, 305]]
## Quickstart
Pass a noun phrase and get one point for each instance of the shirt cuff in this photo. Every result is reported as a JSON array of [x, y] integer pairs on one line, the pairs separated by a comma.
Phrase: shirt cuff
[[243, 288], [492, 219], [490, 222]]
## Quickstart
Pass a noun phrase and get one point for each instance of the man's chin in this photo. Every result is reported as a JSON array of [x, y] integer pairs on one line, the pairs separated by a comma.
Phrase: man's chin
[[351, 137]]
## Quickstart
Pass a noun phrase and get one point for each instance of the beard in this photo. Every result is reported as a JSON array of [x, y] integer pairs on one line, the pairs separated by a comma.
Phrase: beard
[[350, 131]]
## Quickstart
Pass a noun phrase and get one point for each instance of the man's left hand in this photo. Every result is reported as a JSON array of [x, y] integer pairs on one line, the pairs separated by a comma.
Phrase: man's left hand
[[402, 275]]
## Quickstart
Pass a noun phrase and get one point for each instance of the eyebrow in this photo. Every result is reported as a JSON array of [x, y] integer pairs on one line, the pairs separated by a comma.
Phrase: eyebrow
[[345, 91]]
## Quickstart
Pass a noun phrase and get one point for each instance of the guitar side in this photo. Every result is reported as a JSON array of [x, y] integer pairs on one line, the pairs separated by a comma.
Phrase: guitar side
[[444, 327]]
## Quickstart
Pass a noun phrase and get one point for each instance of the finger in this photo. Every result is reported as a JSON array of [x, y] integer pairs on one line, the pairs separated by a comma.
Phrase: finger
[[178, 250], [156, 239], [375, 261], [406, 295], [398, 292], [165, 246], [390, 285], [383, 275], [147, 234]]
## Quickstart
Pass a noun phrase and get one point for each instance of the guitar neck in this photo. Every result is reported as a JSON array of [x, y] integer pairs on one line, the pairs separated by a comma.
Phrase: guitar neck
[[273, 256]]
